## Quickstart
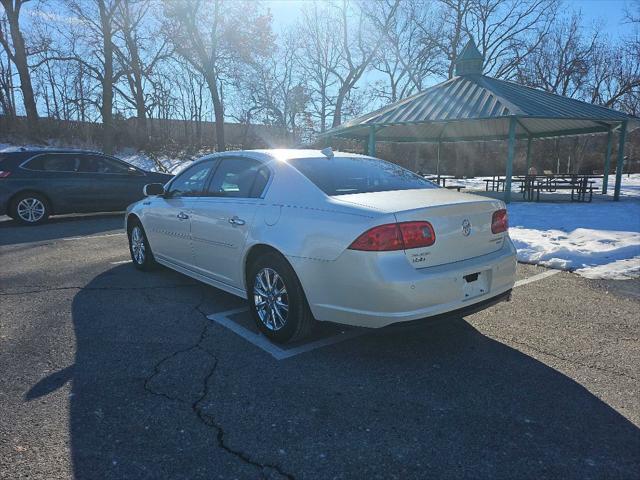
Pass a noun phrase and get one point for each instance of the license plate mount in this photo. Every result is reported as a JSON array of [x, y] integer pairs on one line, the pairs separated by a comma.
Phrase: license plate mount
[[476, 284]]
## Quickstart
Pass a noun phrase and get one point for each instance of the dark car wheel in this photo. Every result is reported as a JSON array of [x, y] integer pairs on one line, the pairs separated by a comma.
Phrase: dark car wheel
[[30, 209], [139, 248], [277, 301]]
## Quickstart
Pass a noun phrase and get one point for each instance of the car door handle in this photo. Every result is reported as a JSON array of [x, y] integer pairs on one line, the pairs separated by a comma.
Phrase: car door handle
[[182, 216], [236, 221]]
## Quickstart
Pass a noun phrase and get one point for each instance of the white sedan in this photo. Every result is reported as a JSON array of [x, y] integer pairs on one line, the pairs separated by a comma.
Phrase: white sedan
[[309, 235]]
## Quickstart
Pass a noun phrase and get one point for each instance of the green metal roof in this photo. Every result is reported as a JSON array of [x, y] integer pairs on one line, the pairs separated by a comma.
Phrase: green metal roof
[[477, 107]]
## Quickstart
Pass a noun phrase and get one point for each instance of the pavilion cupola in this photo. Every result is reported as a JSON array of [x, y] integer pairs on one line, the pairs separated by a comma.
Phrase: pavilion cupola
[[470, 61]]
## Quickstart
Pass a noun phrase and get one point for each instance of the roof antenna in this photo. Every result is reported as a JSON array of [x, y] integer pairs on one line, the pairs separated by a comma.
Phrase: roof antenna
[[327, 152]]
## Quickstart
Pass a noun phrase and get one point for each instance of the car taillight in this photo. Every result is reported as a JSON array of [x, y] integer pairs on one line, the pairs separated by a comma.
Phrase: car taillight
[[417, 234], [395, 236], [4, 173], [499, 221]]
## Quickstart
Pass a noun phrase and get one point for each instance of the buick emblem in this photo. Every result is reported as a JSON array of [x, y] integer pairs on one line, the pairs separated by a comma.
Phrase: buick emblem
[[466, 227]]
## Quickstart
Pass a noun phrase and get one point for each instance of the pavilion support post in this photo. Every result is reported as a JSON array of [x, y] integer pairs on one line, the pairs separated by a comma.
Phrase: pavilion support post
[[620, 162], [372, 141], [607, 162], [510, 155], [528, 154], [438, 162]]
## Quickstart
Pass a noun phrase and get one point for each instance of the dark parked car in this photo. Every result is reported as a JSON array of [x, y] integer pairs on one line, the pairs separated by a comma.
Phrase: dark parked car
[[37, 183]]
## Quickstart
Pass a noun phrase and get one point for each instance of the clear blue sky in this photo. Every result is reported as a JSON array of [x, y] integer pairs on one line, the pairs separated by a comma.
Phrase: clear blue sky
[[609, 12]]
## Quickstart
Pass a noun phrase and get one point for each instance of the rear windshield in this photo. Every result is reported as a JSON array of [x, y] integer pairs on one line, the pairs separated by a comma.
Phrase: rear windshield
[[347, 175]]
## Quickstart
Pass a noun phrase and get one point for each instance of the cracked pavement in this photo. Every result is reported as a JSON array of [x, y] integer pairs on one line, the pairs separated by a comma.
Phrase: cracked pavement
[[108, 372]]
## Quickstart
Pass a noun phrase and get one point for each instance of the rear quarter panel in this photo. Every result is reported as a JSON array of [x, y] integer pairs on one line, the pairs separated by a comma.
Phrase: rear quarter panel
[[299, 220], [308, 232]]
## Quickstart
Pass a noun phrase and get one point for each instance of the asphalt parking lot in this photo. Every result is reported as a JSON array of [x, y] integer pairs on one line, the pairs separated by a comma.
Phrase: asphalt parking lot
[[108, 372]]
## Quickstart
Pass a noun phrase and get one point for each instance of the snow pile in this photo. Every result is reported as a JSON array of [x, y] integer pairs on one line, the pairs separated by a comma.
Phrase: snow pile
[[597, 240], [145, 162]]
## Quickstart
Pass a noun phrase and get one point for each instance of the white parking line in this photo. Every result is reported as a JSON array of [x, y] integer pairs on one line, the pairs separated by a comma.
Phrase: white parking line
[[276, 352], [93, 236], [535, 278]]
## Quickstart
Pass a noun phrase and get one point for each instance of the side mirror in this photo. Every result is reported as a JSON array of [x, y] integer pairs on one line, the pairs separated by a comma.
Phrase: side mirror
[[153, 189]]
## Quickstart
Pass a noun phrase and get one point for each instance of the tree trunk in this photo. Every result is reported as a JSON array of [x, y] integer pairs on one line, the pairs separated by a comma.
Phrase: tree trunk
[[337, 114], [137, 74], [141, 116], [107, 82], [218, 111], [20, 61]]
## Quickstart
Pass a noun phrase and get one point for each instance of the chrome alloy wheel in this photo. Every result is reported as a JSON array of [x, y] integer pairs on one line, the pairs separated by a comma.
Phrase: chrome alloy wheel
[[137, 245], [31, 209], [270, 299]]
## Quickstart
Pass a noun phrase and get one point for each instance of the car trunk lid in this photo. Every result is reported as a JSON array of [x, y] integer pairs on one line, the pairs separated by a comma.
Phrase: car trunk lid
[[461, 222]]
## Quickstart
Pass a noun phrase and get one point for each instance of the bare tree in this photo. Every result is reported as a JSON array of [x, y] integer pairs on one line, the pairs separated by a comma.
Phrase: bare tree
[[137, 51], [584, 66], [16, 49], [217, 38], [318, 58], [91, 43], [358, 49], [632, 12], [562, 62], [614, 76], [508, 31], [451, 31], [339, 44], [192, 104], [273, 90], [407, 57]]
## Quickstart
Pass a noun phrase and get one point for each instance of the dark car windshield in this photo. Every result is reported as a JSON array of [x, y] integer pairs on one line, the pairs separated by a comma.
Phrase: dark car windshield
[[346, 175]]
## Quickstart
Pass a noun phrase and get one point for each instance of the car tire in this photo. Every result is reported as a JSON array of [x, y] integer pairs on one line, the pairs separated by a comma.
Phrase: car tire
[[268, 302], [141, 254], [30, 208]]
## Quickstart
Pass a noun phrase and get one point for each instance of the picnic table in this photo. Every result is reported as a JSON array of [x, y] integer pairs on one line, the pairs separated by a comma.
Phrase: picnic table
[[579, 185], [439, 179], [531, 185], [496, 182]]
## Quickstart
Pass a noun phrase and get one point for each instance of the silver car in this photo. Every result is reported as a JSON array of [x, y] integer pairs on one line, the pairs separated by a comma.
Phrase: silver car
[[309, 235]]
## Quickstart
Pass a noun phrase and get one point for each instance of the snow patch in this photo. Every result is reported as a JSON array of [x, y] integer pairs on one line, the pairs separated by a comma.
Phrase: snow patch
[[597, 240]]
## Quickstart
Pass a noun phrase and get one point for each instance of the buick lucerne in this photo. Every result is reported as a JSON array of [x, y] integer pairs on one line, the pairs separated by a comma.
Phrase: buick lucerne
[[309, 235]]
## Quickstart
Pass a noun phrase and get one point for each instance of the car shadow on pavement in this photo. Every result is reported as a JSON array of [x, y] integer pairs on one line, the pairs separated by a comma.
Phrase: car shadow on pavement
[[161, 392], [13, 233]]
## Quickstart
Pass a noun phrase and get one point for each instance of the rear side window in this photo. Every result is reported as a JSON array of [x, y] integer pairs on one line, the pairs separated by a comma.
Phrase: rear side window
[[54, 163], [347, 175], [239, 178], [98, 164]]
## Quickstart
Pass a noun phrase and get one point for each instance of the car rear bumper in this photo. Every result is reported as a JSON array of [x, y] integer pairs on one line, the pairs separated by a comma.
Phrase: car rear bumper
[[376, 289]]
